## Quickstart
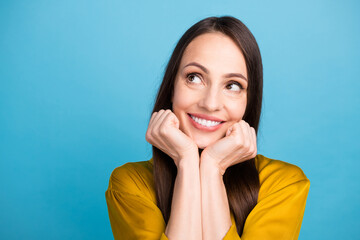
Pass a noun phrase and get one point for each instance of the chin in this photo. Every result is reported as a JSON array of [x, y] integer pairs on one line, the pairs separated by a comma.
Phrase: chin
[[202, 143], [201, 146]]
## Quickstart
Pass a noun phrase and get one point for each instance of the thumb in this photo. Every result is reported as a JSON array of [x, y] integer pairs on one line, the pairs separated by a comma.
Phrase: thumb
[[228, 132], [174, 120], [233, 129]]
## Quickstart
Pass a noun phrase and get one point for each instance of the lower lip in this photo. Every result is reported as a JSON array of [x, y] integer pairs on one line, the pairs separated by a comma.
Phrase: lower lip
[[205, 128]]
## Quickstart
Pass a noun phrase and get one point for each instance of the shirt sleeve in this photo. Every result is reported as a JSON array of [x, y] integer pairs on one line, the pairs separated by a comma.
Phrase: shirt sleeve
[[278, 216], [134, 217], [132, 214]]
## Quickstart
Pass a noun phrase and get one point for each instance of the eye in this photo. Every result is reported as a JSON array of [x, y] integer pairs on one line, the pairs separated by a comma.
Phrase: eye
[[234, 86], [193, 78]]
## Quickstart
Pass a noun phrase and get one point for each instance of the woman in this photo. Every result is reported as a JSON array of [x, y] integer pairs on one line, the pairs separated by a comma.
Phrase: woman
[[205, 179]]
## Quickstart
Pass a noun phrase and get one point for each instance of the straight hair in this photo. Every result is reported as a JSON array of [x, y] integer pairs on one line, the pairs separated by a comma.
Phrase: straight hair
[[241, 180]]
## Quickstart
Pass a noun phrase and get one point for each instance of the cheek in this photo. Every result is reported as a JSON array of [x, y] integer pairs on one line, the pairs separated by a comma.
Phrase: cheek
[[182, 99], [237, 111]]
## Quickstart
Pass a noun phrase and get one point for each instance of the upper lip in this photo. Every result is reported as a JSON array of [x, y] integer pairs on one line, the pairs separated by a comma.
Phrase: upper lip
[[206, 117]]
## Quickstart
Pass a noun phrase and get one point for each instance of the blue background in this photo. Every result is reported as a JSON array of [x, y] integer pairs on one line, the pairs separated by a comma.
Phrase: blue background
[[78, 81]]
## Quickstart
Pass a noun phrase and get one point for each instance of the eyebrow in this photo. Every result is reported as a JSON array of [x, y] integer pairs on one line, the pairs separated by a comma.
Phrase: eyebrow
[[229, 75]]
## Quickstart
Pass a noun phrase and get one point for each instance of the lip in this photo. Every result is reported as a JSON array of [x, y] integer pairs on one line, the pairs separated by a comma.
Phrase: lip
[[206, 117], [205, 128]]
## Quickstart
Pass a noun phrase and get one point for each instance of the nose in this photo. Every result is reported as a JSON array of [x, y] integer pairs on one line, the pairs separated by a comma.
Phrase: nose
[[211, 100]]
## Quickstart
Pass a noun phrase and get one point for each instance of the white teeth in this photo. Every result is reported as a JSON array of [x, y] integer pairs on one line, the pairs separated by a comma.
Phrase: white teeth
[[204, 122]]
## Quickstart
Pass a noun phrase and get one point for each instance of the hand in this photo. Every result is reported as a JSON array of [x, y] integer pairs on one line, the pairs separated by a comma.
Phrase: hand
[[163, 132], [238, 145]]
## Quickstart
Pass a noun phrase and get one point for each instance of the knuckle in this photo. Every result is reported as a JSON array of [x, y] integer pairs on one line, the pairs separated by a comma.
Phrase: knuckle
[[148, 137], [154, 114], [154, 132], [253, 130], [252, 149], [162, 131]]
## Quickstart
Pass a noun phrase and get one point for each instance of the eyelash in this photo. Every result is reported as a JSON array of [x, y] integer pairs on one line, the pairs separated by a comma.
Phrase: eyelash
[[191, 74], [236, 83], [197, 75]]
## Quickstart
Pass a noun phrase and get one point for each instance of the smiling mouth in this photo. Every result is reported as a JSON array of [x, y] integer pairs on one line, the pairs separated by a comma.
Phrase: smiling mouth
[[205, 122]]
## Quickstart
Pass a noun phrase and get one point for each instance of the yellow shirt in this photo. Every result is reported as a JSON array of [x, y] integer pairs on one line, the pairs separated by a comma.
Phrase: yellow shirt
[[277, 215]]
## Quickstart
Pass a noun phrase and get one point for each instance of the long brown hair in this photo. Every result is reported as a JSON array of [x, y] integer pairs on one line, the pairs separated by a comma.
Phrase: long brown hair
[[241, 180]]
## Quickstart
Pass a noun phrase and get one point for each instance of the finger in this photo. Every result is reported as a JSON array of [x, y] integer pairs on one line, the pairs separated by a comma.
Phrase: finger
[[252, 140], [252, 149], [157, 116], [153, 115], [163, 121], [152, 123], [158, 140], [169, 121], [250, 134], [255, 139], [166, 133], [237, 133], [148, 135], [249, 145], [174, 120], [230, 130], [246, 133], [161, 118], [158, 125], [253, 135]]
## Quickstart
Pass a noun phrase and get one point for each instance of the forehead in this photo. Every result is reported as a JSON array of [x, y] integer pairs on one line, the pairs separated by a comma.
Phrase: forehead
[[215, 51]]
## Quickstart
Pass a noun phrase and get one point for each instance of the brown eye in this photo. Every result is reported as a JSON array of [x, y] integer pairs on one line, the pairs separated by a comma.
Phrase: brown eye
[[234, 86], [193, 78]]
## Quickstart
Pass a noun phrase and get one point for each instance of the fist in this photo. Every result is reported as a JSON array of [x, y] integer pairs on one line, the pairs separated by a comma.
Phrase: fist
[[163, 132], [238, 145]]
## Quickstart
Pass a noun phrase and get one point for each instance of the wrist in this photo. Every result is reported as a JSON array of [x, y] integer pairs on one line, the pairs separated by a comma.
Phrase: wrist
[[211, 166], [190, 161]]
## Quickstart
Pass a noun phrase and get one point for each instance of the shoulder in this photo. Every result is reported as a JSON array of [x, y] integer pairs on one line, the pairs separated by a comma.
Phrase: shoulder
[[132, 177], [276, 174]]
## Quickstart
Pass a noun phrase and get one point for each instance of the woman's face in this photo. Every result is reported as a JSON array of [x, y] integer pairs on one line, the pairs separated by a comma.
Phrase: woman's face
[[210, 88]]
